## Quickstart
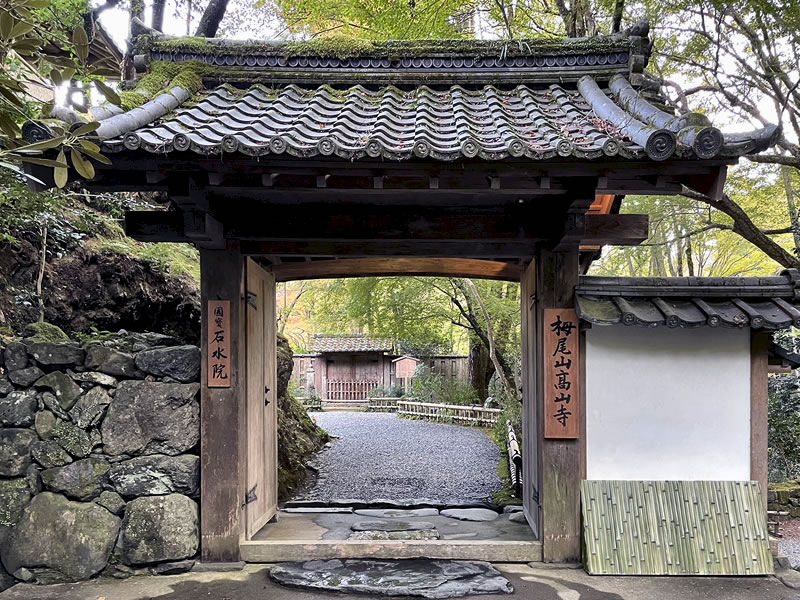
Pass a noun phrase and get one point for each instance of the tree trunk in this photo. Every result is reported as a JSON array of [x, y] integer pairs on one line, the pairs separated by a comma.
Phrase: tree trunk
[[616, 23], [212, 17], [480, 367], [790, 205], [157, 21]]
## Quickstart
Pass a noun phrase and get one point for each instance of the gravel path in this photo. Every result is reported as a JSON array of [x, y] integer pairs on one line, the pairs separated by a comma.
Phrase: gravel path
[[380, 455], [789, 544]]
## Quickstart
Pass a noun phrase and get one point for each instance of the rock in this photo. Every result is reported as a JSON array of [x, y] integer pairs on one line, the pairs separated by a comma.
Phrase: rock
[[179, 362], [49, 454], [398, 513], [391, 525], [518, 517], [5, 386], [14, 495], [25, 377], [15, 451], [72, 539], [15, 356], [158, 529], [51, 403], [110, 361], [423, 534], [42, 331], [56, 355], [6, 580], [111, 501], [81, 480], [418, 578], [65, 390], [33, 478], [44, 423], [156, 475], [90, 408], [152, 418], [24, 575], [93, 377], [74, 440], [491, 403], [512, 508], [173, 568], [18, 409], [470, 514]]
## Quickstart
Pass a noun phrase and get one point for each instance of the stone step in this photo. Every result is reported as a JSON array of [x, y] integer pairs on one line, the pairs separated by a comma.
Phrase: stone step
[[262, 551]]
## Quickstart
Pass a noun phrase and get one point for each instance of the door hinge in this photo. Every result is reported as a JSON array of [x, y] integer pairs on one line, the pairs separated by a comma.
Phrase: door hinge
[[534, 300], [250, 298], [250, 497], [266, 391]]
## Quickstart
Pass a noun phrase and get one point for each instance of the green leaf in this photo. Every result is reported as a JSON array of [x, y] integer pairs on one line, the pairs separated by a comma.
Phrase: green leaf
[[45, 162], [96, 155], [43, 145], [84, 168], [89, 146], [81, 41], [21, 29], [105, 72], [6, 24], [9, 127], [110, 94], [61, 173], [86, 128], [55, 75], [68, 73], [36, 4], [59, 61]]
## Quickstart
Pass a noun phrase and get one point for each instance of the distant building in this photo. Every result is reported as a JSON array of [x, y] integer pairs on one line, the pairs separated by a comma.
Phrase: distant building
[[346, 367]]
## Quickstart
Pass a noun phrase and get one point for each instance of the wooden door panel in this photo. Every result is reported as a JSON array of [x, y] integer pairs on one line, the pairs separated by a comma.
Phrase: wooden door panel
[[261, 498]]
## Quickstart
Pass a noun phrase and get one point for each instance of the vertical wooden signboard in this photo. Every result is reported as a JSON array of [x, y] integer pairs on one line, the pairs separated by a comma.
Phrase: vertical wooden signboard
[[561, 379], [219, 344]]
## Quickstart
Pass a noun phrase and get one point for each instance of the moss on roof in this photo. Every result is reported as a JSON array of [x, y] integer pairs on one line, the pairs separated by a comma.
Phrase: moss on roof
[[341, 47]]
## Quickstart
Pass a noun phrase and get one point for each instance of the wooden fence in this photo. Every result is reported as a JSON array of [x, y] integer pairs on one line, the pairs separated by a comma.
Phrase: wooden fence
[[450, 413], [349, 390], [382, 405], [313, 403]]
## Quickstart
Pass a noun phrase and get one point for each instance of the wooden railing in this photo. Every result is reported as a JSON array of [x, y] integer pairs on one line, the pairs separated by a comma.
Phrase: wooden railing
[[349, 390], [449, 413], [382, 405]]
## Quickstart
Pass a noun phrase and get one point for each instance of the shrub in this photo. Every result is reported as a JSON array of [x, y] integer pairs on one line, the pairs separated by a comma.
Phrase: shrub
[[431, 387], [784, 428], [386, 391]]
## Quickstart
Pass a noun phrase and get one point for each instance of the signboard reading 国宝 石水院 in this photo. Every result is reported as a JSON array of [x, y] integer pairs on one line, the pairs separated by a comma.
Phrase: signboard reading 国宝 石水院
[[561, 401], [219, 344]]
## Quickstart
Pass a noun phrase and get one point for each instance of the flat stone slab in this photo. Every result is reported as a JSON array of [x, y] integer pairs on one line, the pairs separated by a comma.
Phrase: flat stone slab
[[470, 514], [423, 534], [392, 525], [319, 509], [388, 513], [517, 517], [414, 578]]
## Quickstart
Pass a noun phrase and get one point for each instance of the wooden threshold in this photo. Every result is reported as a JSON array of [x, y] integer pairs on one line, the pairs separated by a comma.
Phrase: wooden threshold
[[261, 551]]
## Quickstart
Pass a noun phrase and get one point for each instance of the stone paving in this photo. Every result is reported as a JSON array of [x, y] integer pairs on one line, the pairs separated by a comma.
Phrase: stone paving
[[380, 455], [537, 582]]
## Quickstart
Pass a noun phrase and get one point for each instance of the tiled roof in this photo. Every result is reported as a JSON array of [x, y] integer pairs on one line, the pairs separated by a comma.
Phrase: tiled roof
[[758, 302], [323, 343], [450, 124], [674, 528]]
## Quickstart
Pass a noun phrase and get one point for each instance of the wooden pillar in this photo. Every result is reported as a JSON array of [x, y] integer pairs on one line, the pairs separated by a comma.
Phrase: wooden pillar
[[223, 457], [531, 409], [556, 278], [759, 345]]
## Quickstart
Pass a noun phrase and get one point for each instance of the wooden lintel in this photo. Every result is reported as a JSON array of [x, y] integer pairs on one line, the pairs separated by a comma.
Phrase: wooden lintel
[[377, 182], [408, 248], [267, 179], [153, 177], [433, 182], [203, 229], [615, 230], [494, 182], [374, 267], [216, 178]]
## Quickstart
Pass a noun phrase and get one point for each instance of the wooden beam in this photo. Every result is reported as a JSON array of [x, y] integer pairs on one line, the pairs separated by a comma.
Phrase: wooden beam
[[388, 248], [223, 451], [372, 267], [616, 230], [759, 367], [155, 226]]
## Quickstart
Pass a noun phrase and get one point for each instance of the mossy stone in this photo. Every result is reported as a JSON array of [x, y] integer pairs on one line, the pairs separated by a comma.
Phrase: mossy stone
[[45, 333]]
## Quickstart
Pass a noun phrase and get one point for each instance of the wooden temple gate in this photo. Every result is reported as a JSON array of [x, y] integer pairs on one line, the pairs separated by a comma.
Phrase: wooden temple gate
[[502, 163]]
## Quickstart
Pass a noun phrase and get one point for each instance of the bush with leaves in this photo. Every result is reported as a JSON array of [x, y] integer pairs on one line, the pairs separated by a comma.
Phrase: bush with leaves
[[429, 386], [386, 391]]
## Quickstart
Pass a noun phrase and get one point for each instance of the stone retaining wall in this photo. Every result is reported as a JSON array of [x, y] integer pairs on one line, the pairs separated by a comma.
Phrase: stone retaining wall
[[785, 497], [99, 466]]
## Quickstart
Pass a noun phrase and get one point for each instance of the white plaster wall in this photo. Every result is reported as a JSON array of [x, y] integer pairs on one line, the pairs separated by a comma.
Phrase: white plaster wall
[[667, 404]]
